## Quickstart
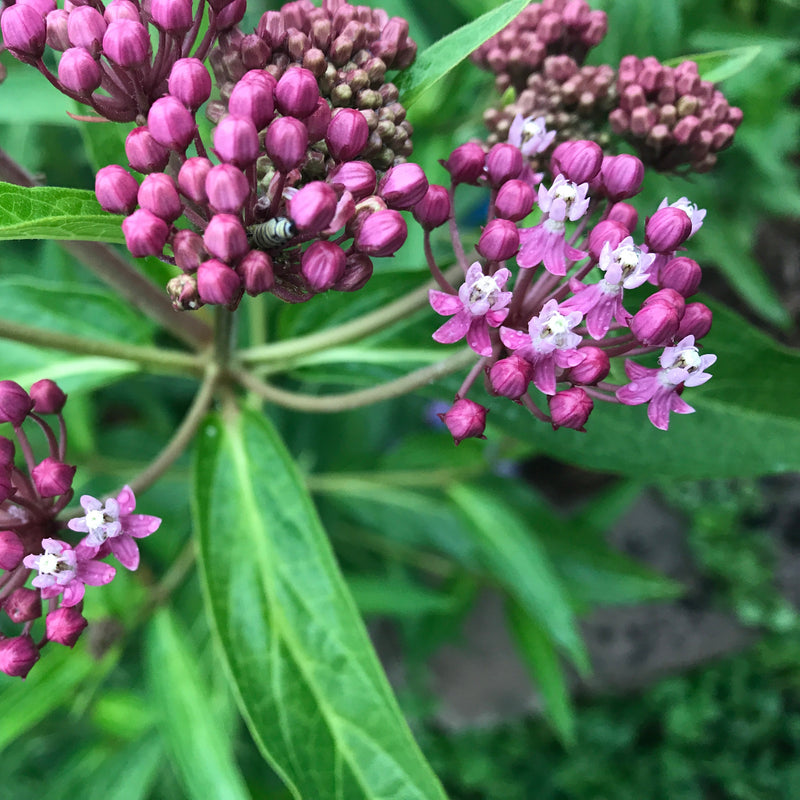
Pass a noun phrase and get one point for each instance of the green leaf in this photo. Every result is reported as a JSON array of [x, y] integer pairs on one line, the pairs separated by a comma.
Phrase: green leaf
[[201, 752], [720, 64], [514, 557], [435, 62], [397, 597], [307, 680], [540, 657], [46, 212], [28, 97]]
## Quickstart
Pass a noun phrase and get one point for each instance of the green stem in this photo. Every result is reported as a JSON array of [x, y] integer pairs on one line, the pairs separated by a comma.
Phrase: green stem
[[334, 403], [224, 332], [157, 359]]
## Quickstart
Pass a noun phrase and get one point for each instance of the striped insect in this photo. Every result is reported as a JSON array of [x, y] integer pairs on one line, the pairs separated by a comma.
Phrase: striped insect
[[273, 233]]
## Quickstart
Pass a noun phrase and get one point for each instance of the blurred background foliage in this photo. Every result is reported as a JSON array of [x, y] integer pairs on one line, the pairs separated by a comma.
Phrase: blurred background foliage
[[120, 716]]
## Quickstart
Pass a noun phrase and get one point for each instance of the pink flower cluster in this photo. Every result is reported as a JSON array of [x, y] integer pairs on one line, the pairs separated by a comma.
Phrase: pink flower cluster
[[569, 311], [31, 498]]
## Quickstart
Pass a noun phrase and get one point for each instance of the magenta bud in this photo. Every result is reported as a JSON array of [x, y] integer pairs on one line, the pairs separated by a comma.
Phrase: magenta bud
[[499, 240], [47, 397], [121, 9], [358, 177], [189, 250], [78, 71], [231, 14], [466, 162], [668, 297], [403, 186], [65, 625], [465, 420], [667, 229], [696, 321], [621, 176], [192, 179], [381, 233], [44, 7], [256, 272], [347, 134], [171, 123], [18, 654], [625, 214], [514, 200], [656, 323], [312, 207], [160, 197], [286, 142], [323, 264], [57, 29], [511, 376], [236, 141], [317, 123], [226, 188], [7, 450], [173, 16], [225, 238], [434, 209], [86, 28], [606, 231], [23, 605], [11, 550], [217, 283], [681, 274], [594, 367], [24, 31], [253, 99], [144, 153], [15, 403], [504, 163], [116, 189], [297, 93], [52, 477], [578, 161], [570, 408], [145, 233], [127, 43], [190, 82], [357, 271]]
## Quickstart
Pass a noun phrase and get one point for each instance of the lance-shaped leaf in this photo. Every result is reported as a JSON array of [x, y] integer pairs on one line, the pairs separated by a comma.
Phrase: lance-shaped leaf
[[721, 64], [306, 678]]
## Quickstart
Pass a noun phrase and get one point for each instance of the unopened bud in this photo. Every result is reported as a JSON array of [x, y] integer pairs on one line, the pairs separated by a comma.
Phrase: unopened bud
[[189, 250], [15, 403], [236, 141], [434, 209], [286, 142], [681, 274], [52, 477], [696, 321], [357, 271], [578, 161], [18, 654], [11, 550], [499, 240], [317, 123], [24, 31], [625, 214], [173, 16], [65, 625], [570, 408], [7, 450], [511, 376], [323, 264], [256, 272], [514, 200], [23, 605], [171, 123], [656, 324], [381, 233], [504, 163], [403, 186], [116, 189], [78, 71], [667, 229], [144, 153], [621, 176], [465, 419], [126, 43], [606, 231], [218, 284], [594, 367], [466, 163], [296, 94], [192, 179], [47, 397], [358, 177], [86, 28], [347, 134], [253, 99], [160, 197], [312, 207], [190, 82], [145, 233]]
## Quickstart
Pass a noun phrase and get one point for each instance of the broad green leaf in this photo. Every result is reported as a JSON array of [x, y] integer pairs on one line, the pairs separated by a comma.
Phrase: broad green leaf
[[201, 752], [721, 64], [435, 62], [540, 657], [306, 678], [45, 212], [515, 558]]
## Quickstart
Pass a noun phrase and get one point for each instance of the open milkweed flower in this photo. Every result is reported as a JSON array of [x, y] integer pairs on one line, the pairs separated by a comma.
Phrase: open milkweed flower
[[696, 215], [112, 527], [479, 304], [530, 135]]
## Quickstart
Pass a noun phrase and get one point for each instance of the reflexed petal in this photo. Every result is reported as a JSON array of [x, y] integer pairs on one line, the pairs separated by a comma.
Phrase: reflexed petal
[[444, 304], [680, 406], [495, 318], [568, 358], [454, 329], [638, 392], [659, 408], [474, 273], [140, 525], [501, 278], [478, 338], [73, 594], [126, 551], [126, 500], [97, 573], [636, 371], [544, 374], [514, 340]]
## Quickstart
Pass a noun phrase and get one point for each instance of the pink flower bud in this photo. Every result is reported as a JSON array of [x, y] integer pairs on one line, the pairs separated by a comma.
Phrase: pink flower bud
[[297, 93], [11, 550], [312, 207], [286, 142], [159, 196], [696, 321], [225, 238], [65, 625], [227, 188], [357, 271], [667, 229], [170, 122], [347, 134], [236, 141], [57, 29], [192, 179], [358, 177], [231, 14], [145, 233], [382, 233], [625, 214], [189, 250], [681, 274], [173, 16], [594, 367], [47, 397], [606, 231], [434, 209], [44, 7], [86, 28], [317, 123], [668, 297], [466, 162], [511, 376], [253, 99], [323, 264], [570, 408], [15, 403], [24, 31], [499, 240], [52, 477], [217, 283], [656, 324], [579, 161], [78, 71], [621, 176], [116, 189], [19, 654], [190, 82], [465, 420], [514, 200], [127, 43], [256, 272], [144, 153], [403, 186], [23, 605], [121, 9], [6, 451], [504, 163]]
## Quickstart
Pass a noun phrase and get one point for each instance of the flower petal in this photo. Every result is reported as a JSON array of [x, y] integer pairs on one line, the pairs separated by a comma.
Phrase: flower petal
[[73, 594], [514, 340], [139, 525], [454, 329], [478, 337], [126, 500], [96, 573], [444, 303], [126, 551]]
